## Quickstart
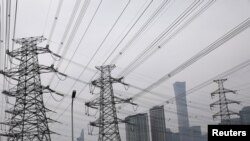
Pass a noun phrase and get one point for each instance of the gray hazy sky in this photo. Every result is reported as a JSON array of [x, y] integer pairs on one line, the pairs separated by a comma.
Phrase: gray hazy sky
[[187, 26]]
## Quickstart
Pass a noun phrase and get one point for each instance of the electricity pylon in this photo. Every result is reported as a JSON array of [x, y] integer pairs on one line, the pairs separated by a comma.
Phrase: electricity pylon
[[28, 121], [223, 102], [106, 103]]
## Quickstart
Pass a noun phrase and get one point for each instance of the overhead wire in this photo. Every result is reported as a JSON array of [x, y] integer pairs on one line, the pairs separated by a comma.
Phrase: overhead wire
[[142, 13], [75, 27], [189, 9], [72, 34], [229, 71], [203, 121], [99, 47], [126, 34], [126, 113], [144, 26], [1, 55], [138, 59], [195, 116], [139, 32], [47, 17], [235, 31], [67, 29], [79, 43], [150, 51], [123, 38], [6, 17], [69, 24], [15, 24], [202, 85]]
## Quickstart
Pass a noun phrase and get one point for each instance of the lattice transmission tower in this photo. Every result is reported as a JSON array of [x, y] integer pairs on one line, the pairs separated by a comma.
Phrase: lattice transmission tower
[[223, 102], [28, 120], [106, 103]]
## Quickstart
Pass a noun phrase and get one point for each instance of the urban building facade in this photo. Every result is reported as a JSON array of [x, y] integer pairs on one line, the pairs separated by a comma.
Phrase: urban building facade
[[182, 112], [195, 133], [137, 127], [245, 115], [157, 121]]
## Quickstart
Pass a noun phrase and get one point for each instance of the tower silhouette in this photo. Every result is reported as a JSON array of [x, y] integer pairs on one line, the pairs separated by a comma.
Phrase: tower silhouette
[[28, 120], [223, 102], [108, 120]]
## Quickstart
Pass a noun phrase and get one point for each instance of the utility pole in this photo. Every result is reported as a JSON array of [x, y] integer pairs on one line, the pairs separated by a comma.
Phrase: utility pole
[[72, 112], [28, 121], [223, 102], [107, 121]]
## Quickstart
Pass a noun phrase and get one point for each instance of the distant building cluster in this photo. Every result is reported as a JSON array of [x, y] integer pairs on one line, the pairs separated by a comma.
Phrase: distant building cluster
[[144, 127], [137, 126]]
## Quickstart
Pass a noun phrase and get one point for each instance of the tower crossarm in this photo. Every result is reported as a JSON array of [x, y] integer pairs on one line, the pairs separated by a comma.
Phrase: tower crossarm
[[219, 114], [98, 123], [224, 90], [119, 100], [228, 101], [94, 103], [30, 40], [16, 73], [47, 89], [18, 53]]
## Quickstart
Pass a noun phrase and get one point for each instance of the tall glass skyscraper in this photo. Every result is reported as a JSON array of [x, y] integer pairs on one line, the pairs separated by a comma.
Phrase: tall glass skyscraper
[[182, 112], [137, 128], [157, 121]]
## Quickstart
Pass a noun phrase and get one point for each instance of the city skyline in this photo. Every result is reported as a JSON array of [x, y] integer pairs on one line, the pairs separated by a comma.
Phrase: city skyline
[[152, 43]]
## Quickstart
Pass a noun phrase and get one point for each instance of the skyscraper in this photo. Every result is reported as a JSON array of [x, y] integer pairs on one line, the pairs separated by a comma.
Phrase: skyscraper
[[157, 121], [81, 138], [195, 133], [182, 112], [245, 115], [137, 128]]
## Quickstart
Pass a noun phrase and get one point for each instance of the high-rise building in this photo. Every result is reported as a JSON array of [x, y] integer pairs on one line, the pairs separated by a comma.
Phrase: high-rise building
[[81, 138], [157, 121], [137, 128], [245, 115], [169, 134], [204, 137], [182, 112], [175, 137], [195, 133]]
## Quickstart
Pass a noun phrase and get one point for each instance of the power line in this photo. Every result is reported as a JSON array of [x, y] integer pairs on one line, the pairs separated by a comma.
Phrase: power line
[[58, 10], [202, 85], [15, 22], [143, 56], [47, 17], [72, 34], [99, 47], [235, 31]]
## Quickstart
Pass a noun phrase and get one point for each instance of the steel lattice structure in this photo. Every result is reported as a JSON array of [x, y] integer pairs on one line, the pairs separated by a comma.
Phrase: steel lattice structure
[[28, 120], [108, 120], [223, 102]]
